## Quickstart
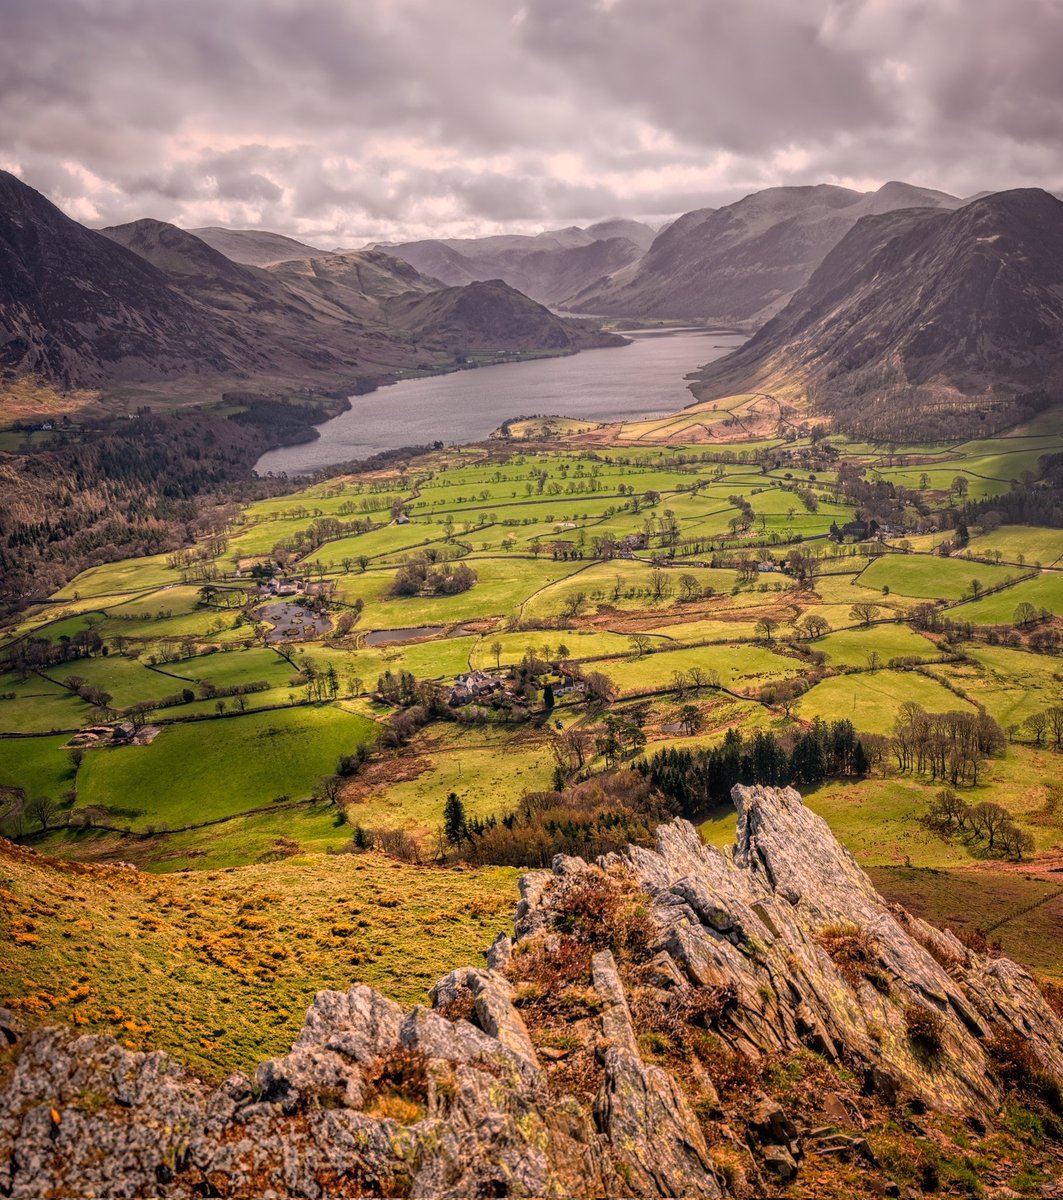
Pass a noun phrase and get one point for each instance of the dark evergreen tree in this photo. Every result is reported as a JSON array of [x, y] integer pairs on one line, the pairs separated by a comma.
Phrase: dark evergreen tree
[[455, 828]]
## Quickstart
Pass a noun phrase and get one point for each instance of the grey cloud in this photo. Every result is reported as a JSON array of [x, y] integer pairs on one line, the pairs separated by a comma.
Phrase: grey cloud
[[338, 119]]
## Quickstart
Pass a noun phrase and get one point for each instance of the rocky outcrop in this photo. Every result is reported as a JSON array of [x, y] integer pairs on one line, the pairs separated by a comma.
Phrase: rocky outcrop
[[777, 946], [789, 922]]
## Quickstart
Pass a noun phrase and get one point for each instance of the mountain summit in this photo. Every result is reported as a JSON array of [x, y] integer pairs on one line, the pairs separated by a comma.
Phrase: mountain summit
[[741, 263]]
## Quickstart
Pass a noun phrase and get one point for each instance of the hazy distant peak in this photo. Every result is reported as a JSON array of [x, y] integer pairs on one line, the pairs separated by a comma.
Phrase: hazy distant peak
[[255, 247], [621, 227]]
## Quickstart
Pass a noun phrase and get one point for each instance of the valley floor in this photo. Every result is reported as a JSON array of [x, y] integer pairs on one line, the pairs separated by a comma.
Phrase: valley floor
[[658, 554]]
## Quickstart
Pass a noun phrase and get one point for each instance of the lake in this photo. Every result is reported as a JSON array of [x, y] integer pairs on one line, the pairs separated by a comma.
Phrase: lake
[[643, 379]]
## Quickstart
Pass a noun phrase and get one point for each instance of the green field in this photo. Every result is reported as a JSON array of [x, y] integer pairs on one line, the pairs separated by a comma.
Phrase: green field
[[871, 700], [1020, 544], [530, 523], [851, 647], [195, 773], [1046, 591], [743, 667], [931, 576]]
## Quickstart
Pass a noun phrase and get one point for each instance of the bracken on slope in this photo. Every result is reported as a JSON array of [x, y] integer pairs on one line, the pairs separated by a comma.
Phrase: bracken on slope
[[528, 1077]]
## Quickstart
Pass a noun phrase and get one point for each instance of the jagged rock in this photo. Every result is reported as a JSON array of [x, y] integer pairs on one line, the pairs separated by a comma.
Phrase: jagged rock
[[836, 1110], [83, 1116], [617, 1028], [529, 917], [779, 1161], [770, 1123], [497, 1016], [655, 1139], [311, 1073], [751, 919], [359, 1023], [500, 952], [662, 972], [491, 997]]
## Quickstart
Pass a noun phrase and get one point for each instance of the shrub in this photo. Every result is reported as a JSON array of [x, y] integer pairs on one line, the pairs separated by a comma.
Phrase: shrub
[[1020, 1068], [855, 952], [397, 843], [397, 1085], [925, 1029], [603, 909]]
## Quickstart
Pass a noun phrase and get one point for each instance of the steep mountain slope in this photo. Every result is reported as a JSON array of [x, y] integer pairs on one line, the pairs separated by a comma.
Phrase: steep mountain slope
[[76, 308], [255, 247], [547, 266], [298, 312], [148, 302], [547, 275], [922, 308], [354, 284], [741, 263]]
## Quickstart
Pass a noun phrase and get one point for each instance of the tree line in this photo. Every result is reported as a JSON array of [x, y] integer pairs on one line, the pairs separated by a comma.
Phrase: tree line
[[699, 780]]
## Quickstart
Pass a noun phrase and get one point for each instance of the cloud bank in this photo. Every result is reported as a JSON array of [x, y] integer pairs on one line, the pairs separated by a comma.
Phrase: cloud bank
[[342, 121]]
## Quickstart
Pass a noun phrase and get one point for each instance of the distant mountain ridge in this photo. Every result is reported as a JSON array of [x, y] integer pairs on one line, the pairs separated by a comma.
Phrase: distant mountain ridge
[[547, 266], [255, 247], [917, 311], [740, 264], [146, 302]]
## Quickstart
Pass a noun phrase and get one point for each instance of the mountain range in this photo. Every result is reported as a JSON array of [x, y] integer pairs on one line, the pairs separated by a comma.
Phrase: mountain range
[[549, 267], [908, 296], [740, 264], [921, 308], [148, 302]]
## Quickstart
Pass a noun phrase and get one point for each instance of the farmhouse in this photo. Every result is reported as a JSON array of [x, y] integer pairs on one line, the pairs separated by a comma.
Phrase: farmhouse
[[474, 685]]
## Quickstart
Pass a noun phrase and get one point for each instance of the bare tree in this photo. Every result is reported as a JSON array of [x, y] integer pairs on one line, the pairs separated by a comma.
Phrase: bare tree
[[864, 611], [640, 642], [42, 809], [598, 688], [690, 586], [328, 787], [658, 583], [574, 604], [700, 678], [814, 626], [1036, 723], [1025, 614], [766, 627]]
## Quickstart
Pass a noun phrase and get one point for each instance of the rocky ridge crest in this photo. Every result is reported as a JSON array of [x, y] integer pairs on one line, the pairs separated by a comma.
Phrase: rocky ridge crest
[[563, 1067]]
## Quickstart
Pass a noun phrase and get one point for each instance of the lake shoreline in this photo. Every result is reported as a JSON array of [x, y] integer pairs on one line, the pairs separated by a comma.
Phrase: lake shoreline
[[446, 411]]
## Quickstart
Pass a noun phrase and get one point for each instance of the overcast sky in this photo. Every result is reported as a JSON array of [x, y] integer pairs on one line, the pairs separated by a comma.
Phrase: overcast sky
[[341, 121]]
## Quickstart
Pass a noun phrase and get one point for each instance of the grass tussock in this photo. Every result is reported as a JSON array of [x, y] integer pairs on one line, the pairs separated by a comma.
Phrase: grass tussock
[[855, 952]]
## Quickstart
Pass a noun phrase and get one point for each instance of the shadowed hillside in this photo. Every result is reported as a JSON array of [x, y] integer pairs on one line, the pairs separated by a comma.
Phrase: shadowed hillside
[[916, 312]]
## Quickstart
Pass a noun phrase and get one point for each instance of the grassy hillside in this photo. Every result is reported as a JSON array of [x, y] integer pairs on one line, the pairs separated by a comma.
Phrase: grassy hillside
[[646, 553], [218, 967]]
